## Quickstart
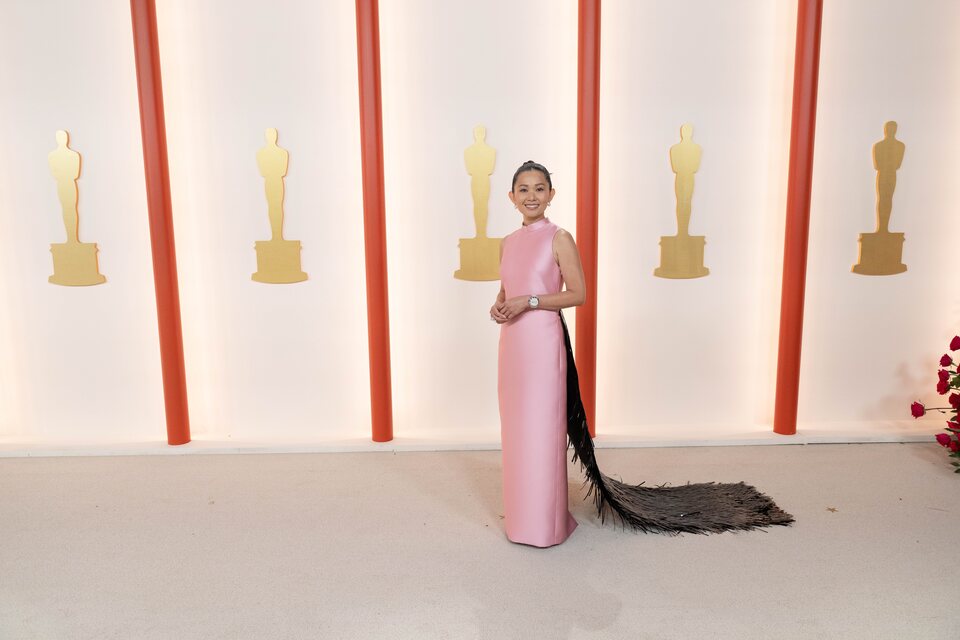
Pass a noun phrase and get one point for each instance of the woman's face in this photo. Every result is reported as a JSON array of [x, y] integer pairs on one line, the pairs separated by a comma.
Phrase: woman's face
[[531, 195]]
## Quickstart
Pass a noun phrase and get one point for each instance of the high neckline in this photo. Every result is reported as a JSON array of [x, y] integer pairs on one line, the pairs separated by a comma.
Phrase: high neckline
[[542, 222]]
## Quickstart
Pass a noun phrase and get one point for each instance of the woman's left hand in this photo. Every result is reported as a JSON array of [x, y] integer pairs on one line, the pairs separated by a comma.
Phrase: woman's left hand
[[515, 306]]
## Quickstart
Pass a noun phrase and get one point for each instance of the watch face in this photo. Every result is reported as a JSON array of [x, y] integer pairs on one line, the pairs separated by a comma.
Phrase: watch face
[[534, 301]]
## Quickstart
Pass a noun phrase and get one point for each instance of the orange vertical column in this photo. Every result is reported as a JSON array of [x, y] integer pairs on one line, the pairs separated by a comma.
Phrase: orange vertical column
[[374, 226], [806, 69], [147, 52], [588, 151]]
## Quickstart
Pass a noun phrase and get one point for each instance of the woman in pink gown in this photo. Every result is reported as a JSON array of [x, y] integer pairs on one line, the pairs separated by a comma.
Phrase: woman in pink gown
[[536, 261], [540, 404]]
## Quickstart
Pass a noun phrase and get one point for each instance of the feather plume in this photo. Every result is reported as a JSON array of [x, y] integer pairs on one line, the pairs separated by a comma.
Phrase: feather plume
[[708, 507]]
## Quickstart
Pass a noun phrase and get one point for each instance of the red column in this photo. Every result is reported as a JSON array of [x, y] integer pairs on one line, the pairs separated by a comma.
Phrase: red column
[[588, 149], [374, 228], [147, 53], [806, 68]]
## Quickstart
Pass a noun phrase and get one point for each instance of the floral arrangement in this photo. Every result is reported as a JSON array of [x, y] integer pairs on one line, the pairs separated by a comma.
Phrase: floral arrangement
[[949, 382]]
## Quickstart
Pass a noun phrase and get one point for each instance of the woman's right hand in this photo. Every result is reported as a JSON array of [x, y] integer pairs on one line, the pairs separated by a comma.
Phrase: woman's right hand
[[497, 312]]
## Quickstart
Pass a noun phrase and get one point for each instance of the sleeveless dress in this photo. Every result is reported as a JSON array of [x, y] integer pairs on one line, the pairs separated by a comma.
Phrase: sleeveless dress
[[533, 398]]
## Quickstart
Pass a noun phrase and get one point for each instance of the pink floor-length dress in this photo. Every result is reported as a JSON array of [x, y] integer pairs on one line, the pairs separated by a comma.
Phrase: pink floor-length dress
[[533, 395]]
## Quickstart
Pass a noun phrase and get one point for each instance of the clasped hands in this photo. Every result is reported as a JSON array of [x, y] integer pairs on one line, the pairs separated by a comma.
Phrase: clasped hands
[[505, 311]]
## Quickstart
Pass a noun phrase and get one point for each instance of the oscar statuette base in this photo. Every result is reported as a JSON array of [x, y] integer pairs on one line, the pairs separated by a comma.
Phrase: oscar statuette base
[[681, 257], [75, 264], [278, 262], [479, 259], [881, 254]]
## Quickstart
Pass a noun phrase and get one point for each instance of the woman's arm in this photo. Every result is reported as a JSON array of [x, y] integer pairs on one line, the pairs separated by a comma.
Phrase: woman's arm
[[565, 251], [496, 311], [575, 290]]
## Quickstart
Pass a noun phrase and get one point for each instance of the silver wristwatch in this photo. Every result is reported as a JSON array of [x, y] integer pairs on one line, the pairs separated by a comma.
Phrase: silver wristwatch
[[533, 302]]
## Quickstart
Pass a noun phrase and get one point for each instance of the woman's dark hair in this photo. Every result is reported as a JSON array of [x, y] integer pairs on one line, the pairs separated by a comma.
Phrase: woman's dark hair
[[530, 165]]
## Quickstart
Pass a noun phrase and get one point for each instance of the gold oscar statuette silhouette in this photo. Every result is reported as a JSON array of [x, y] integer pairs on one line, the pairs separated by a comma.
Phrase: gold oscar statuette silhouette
[[480, 255], [681, 256], [74, 262], [881, 252], [278, 260]]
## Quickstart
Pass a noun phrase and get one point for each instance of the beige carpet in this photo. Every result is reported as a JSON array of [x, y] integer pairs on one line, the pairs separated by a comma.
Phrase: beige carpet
[[411, 545]]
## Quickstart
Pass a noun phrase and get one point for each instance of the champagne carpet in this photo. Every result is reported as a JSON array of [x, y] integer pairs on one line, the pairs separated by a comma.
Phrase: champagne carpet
[[411, 545]]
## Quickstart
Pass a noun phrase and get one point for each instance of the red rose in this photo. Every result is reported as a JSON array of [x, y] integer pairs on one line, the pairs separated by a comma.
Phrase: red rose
[[955, 343], [917, 409], [943, 374], [946, 361], [943, 439], [954, 400], [954, 446], [943, 387]]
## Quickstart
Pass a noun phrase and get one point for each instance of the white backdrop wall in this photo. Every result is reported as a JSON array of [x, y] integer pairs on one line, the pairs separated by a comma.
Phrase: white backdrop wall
[[871, 344], [267, 362], [274, 363], [446, 68], [79, 364], [683, 358]]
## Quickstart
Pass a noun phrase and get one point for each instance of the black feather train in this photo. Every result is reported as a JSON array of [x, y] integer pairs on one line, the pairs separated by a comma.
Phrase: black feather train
[[708, 507]]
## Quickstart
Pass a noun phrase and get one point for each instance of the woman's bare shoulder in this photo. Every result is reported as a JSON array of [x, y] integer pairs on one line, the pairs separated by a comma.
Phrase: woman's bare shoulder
[[561, 235]]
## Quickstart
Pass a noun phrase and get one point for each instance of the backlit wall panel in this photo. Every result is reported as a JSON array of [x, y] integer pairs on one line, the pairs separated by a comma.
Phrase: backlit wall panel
[[871, 344], [698, 356], [267, 362], [80, 364], [512, 67], [272, 363]]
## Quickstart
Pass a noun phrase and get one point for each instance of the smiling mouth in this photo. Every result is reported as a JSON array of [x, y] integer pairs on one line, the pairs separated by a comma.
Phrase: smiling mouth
[[535, 205]]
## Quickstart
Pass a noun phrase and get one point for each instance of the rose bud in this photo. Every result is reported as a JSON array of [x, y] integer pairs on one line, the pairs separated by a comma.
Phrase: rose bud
[[954, 446], [955, 343], [943, 374], [954, 400], [943, 387], [946, 360], [943, 439], [917, 409]]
